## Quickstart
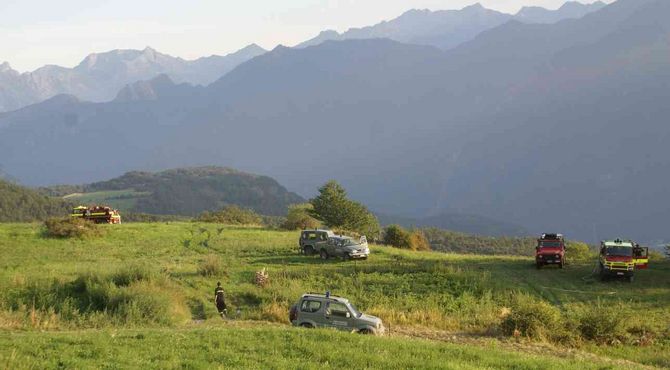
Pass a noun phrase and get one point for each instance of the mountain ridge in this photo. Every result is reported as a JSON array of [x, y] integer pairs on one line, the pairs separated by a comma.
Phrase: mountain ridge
[[100, 76], [184, 191], [446, 29]]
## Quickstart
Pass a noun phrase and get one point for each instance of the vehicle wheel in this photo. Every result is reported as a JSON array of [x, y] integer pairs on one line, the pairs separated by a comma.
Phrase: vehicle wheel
[[365, 331], [561, 265], [323, 254], [346, 258], [307, 325], [308, 251]]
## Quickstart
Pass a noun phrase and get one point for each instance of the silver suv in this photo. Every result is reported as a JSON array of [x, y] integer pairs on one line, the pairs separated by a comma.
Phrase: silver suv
[[326, 311], [346, 248]]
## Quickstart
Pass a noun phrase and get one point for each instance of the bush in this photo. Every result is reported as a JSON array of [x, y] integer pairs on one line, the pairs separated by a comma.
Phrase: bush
[[300, 218], [71, 228], [211, 266], [418, 241], [532, 318], [398, 237], [578, 251], [232, 215], [605, 324], [656, 256]]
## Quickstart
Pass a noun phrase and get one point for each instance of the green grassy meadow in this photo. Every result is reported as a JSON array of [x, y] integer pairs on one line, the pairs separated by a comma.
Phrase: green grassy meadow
[[142, 296]]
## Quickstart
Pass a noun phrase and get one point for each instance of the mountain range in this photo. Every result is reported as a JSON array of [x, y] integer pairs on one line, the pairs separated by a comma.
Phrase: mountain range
[[446, 29], [99, 77], [557, 127]]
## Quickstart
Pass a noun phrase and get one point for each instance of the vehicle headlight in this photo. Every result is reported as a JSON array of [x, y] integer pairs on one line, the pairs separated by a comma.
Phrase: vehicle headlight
[[540, 256], [557, 256]]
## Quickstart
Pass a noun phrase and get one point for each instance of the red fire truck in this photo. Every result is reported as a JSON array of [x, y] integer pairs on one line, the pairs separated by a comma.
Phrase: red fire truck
[[550, 250]]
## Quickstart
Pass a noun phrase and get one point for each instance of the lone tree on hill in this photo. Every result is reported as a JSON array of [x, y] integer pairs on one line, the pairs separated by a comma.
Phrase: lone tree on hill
[[336, 210]]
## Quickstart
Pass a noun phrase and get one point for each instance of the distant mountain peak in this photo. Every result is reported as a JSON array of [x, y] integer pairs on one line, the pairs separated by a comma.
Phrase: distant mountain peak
[[149, 53], [146, 90], [475, 6], [280, 48], [251, 47], [5, 67], [577, 5], [570, 9], [329, 33]]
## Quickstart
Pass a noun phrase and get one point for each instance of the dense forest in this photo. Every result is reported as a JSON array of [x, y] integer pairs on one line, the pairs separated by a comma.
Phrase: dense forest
[[20, 204], [456, 242]]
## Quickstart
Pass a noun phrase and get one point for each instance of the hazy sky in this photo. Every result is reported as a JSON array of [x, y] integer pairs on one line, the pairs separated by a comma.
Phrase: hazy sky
[[38, 32]]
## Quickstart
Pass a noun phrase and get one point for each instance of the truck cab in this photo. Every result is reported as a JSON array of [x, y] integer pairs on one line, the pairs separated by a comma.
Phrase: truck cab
[[617, 259], [97, 214], [550, 250]]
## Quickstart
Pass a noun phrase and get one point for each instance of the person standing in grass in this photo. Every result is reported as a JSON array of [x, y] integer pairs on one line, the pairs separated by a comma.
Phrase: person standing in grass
[[220, 300]]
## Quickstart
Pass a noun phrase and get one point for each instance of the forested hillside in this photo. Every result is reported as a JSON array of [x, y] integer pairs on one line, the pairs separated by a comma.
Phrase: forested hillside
[[184, 191], [19, 204]]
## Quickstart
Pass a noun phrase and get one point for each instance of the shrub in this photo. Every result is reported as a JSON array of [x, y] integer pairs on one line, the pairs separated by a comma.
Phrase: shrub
[[211, 266], [605, 324], [656, 256], [398, 237], [300, 218], [71, 228], [232, 215], [578, 251], [418, 241], [532, 318]]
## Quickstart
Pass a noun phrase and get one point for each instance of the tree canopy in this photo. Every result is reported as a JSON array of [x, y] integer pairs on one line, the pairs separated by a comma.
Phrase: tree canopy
[[334, 208]]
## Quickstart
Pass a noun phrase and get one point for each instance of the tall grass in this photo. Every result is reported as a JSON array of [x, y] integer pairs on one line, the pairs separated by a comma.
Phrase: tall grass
[[147, 275], [131, 296]]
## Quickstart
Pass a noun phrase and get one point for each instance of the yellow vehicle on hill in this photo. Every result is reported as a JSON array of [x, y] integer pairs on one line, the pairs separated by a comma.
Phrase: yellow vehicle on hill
[[97, 214]]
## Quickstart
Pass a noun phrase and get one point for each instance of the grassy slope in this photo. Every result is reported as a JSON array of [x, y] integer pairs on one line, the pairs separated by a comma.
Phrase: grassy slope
[[433, 291], [123, 200], [262, 348]]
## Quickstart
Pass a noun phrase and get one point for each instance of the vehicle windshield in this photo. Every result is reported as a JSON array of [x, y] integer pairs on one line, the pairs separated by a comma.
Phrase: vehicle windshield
[[619, 251], [550, 244], [354, 311], [349, 242]]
